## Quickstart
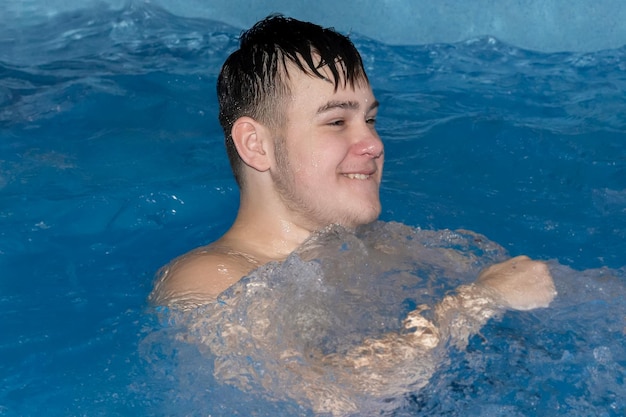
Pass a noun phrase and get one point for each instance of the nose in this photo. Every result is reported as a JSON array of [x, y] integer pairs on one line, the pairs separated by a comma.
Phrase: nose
[[369, 143]]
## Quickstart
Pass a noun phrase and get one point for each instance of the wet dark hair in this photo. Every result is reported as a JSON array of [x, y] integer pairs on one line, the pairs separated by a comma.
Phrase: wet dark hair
[[253, 81]]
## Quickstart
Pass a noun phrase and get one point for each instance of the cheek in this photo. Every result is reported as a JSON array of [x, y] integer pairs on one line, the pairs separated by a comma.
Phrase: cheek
[[322, 165], [315, 161], [310, 160], [328, 155]]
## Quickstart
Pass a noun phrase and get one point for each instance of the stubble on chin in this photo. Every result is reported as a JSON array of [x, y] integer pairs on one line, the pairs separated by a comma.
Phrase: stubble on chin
[[307, 206]]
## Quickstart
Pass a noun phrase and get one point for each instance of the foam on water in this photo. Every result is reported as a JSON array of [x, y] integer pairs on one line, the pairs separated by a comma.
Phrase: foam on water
[[268, 333]]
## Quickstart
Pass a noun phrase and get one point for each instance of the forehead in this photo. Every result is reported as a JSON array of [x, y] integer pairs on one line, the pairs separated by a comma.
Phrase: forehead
[[305, 85]]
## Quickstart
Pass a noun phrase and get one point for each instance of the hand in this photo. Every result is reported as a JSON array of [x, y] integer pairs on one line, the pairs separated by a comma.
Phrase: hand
[[519, 283]]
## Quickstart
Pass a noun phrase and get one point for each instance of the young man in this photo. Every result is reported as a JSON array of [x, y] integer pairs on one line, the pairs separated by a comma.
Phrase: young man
[[299, 118]]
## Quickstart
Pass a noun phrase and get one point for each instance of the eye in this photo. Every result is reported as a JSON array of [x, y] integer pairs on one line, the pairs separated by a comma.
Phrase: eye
[[370, 121], [338, 122]]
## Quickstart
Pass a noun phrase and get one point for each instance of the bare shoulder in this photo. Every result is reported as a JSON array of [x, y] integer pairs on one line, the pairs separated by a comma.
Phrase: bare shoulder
[[199, 276]]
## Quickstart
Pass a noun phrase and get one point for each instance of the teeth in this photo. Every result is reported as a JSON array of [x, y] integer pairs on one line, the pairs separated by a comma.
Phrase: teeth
[[357, 176]]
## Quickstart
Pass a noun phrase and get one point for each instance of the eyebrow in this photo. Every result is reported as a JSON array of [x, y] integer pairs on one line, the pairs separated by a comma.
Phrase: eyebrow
[[350, 105]]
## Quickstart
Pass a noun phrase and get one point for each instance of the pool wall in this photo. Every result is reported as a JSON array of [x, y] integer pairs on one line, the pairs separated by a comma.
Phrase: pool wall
[[544, 25]]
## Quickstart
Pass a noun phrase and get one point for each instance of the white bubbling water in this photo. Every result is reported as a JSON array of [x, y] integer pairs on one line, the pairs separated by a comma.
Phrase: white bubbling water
[[341, 288]]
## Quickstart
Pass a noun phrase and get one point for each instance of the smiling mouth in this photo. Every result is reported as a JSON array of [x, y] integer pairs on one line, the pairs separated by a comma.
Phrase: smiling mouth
[[357, 176]]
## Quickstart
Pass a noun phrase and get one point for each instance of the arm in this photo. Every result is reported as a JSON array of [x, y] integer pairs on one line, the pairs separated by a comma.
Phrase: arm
[[516, 284], [251, 349], [386, 366], [519, 283]]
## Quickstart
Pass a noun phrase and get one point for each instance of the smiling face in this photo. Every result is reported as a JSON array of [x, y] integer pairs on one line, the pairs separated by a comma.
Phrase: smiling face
[[328, 155]]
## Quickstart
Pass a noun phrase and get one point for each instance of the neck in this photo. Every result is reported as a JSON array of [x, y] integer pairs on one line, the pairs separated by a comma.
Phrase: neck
[[264, 230]]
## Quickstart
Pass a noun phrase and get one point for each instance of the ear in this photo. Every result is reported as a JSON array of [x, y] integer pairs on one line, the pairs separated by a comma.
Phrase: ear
[[252, 141]]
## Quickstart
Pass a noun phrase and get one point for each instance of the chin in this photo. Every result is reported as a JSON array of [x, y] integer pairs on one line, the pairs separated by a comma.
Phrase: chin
[[365, 218]]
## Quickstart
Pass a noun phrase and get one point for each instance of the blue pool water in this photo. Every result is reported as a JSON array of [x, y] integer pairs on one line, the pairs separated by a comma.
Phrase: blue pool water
[[111, 163]]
